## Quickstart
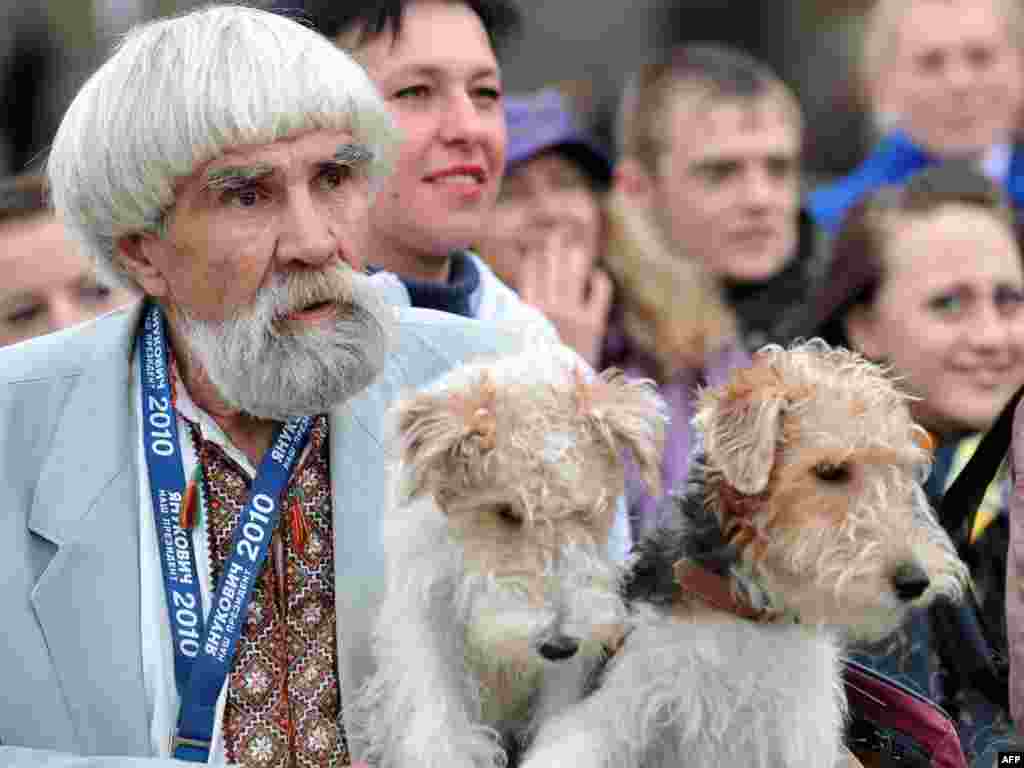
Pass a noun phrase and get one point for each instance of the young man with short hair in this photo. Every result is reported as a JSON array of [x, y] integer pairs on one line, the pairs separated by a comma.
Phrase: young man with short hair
[[710, 143]]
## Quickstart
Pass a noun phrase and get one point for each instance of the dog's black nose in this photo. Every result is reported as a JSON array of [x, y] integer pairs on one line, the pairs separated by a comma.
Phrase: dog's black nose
[[559, 648], [910, 581]]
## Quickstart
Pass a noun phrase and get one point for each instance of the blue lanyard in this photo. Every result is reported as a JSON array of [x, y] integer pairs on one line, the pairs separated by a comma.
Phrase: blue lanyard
[[203, 651]]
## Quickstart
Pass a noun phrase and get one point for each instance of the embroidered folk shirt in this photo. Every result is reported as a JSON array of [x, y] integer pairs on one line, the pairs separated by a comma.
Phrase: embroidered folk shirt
[[157, 653]]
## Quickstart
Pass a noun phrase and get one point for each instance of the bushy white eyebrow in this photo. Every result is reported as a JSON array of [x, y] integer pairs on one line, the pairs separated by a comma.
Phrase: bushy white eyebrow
[[229, 176], [353, 154]]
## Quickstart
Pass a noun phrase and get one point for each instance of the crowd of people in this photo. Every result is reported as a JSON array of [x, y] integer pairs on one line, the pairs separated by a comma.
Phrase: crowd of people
[[233, 173]]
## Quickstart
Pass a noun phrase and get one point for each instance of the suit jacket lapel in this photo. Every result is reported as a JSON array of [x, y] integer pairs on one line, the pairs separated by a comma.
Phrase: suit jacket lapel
[[357, 486], [87, 600]]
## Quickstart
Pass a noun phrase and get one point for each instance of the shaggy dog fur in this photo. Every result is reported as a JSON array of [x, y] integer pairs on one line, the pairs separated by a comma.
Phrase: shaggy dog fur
[[502, 597], [805, 527]]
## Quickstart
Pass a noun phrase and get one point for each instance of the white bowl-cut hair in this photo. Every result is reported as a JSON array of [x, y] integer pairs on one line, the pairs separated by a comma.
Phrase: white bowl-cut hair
[[177, 93]]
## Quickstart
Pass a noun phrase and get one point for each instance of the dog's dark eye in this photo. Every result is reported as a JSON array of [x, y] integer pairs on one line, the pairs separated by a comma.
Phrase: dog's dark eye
[[832, 473], [508, 514]]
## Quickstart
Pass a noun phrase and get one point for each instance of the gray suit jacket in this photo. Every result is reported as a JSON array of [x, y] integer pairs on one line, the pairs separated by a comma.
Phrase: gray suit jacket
[[70, 644]]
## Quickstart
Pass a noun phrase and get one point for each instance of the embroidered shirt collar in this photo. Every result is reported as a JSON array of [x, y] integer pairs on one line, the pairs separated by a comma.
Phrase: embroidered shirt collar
[[208, 427]]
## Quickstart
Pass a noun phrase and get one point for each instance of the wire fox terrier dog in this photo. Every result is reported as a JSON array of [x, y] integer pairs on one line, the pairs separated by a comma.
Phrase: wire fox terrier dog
[[804, 527], [502, 595]]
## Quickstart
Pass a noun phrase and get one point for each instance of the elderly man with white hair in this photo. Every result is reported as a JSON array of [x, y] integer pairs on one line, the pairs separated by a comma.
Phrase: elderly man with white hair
[[190, 489]]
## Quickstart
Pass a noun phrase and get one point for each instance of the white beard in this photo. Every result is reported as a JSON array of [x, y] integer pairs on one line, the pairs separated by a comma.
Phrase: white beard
[[262, 365]]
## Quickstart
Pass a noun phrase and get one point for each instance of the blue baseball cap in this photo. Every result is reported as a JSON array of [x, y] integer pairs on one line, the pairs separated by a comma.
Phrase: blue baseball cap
[[542, 121]]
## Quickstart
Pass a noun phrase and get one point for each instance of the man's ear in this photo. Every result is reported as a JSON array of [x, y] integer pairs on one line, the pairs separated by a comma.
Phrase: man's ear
[[633, 181], [141, 256], [861, 328]]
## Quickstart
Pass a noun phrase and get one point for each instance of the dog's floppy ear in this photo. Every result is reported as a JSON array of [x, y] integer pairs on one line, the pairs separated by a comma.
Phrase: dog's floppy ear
[[629, 413], [742, 422], [443, 432]]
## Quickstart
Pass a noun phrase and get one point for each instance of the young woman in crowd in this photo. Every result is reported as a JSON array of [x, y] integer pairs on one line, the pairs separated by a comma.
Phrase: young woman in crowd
[[928, 279]]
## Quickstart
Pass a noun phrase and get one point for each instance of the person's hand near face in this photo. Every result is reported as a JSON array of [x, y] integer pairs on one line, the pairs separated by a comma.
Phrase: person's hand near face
[[556, 275], [544, 241]]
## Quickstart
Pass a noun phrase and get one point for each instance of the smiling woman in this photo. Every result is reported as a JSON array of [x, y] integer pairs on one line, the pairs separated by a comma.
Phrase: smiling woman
[[928, 278], [48, 284], [440, 77]]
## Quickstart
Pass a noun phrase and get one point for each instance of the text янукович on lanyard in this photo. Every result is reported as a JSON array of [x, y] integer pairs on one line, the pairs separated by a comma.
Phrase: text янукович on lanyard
[[203, 650]]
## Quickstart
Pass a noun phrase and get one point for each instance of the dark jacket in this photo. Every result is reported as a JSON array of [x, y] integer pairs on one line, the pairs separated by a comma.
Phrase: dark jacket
[[777, 311], [914, 654]]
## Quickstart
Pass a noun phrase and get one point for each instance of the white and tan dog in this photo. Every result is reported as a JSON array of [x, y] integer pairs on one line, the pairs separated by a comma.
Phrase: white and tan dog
[[805, 527], [502, 596]]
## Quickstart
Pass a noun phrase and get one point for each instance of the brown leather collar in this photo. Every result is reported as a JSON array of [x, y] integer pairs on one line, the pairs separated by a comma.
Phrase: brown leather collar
[[716, 591], [740, 506]]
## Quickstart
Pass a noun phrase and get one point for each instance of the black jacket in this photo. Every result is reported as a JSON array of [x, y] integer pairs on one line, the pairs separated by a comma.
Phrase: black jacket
[[778, 310]]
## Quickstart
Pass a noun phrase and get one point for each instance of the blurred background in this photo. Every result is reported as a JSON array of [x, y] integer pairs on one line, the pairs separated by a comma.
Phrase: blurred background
[[49, 47]]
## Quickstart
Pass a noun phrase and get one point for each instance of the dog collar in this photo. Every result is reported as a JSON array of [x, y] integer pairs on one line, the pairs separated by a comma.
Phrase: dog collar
[[717, 592], [741, 507]]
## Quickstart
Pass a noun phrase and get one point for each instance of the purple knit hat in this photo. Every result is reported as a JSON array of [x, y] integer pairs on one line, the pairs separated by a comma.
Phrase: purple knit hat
[[541, 121]]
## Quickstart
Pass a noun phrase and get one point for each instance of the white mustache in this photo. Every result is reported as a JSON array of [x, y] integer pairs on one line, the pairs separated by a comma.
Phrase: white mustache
[[293, 292]]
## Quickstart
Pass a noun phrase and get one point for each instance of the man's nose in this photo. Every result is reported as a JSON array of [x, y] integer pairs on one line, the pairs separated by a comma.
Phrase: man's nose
[[959, 74], [760, 190], [307, 232]]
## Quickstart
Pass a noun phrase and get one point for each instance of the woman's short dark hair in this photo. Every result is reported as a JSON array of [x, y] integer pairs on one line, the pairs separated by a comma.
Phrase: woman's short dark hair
[[501, 19], [858, 266]]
